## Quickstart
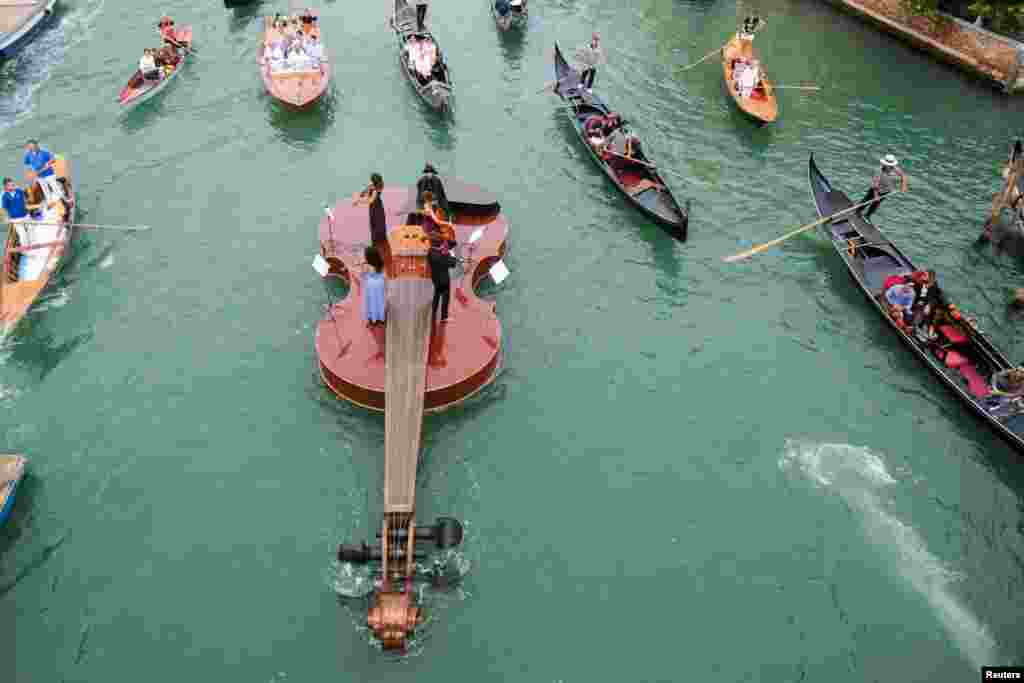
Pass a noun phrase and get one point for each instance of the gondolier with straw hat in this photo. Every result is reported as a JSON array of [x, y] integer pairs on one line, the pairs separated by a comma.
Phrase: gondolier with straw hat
[[890, 176]]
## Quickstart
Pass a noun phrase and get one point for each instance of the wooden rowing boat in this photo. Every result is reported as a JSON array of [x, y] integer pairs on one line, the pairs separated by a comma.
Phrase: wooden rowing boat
[[297, 88], [436, 90], [35, 250], [139, 90], [12, 471], [762, 105], [516, 17], [962, 356], [637, 179]]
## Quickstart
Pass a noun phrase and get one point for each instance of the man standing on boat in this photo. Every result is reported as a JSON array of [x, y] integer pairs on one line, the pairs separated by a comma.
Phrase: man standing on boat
[[421, 15], [39, 164], [440, 262], [590, 57], [890, 176]]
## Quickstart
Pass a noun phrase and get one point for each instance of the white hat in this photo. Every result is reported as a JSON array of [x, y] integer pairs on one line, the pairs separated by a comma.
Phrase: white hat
[[889, 160]]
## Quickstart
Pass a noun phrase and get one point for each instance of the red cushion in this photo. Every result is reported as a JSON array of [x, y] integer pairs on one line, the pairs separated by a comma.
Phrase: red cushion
[[893, 280], [953, 334], [954, 360]]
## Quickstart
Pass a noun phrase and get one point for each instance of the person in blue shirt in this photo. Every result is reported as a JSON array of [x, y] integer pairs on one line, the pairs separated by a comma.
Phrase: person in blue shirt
[[14, 202], [40, 162]]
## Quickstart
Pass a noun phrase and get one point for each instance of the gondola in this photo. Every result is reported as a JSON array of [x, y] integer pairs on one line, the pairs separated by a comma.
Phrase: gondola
[[139, 90], [637, 179], [515, 14], [436, 90], [34, 250], [962, 357], [295, 88], [761, 106], [12, 470]]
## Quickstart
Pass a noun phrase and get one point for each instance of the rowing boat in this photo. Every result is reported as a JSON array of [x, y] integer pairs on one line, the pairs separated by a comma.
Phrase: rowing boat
[[34, 251], [296, 88], [12, 470], [962, 356], [515, 16], [435, 90], [19, 22], [637, 179], [139, 90], [762, 105]]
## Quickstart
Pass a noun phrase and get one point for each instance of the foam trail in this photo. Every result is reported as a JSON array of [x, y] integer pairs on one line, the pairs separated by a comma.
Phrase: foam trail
[[857, 474]]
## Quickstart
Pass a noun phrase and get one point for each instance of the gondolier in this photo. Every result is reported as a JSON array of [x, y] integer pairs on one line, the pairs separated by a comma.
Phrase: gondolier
[[890, 176], [590, 57], [421, 14]]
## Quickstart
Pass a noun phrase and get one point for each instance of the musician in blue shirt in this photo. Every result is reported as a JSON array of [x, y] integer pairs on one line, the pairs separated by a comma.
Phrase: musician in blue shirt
[[39, 162]]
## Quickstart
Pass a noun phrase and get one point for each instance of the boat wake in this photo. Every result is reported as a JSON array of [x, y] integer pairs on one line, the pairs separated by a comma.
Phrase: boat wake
[[858, 476]]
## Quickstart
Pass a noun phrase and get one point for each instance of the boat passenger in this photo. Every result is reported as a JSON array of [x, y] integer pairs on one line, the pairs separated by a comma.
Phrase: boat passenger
[[502, 7], [633, 149], [901, 300], [594, 125], [374, 288], [308, 20], [747, 81], [890, 176], [434, 223], [314, 50], [148, 66], [15, 202], [1009, 382], [39, 164]]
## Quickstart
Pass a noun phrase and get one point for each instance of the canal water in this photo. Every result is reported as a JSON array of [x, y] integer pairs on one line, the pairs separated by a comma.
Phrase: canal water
[[687, 470]]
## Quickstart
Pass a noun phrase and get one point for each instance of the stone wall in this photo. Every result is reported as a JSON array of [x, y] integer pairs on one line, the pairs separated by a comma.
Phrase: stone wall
[[996, 58]]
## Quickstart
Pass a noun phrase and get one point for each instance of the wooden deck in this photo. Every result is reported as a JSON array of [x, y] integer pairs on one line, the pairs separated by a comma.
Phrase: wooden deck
[[408, 338]]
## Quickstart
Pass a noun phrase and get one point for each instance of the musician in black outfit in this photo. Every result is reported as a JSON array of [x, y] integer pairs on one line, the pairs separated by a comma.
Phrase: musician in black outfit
[[431, 182], [440, 262]]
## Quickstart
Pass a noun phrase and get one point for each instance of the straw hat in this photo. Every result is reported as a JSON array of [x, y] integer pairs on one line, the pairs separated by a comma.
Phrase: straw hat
[[890, 160]]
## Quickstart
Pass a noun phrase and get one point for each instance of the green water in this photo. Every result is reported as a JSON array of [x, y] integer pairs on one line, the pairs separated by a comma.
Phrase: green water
[[687, 470]]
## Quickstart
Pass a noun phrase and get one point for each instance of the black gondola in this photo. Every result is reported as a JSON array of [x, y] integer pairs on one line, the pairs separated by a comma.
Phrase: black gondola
[[639, 182], [435, 89], [962, 357]]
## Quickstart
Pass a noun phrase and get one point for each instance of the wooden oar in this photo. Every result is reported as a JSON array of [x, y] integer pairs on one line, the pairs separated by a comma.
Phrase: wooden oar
[[778, 240], [687, 68], [798, 87], [93, 226]]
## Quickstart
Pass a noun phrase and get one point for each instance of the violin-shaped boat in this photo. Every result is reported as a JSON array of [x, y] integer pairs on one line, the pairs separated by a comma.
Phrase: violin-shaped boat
[[35, 249], [421, 58], [139, 89], [960, 354], [411, 365], [300, 81], [636, 177], [760, 104]]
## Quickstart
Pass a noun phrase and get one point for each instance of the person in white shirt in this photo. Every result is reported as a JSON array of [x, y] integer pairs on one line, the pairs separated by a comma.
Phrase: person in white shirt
[[147, 65], [748, 79], [314, 50]]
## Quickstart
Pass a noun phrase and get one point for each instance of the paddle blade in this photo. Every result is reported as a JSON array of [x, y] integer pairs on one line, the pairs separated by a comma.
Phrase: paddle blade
[[499, 271], [320, 265]]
